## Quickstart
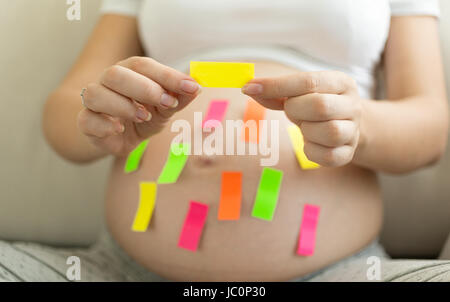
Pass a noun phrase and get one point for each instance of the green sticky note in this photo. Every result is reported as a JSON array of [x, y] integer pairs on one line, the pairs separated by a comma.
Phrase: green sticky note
[[267, 195], [178, 156], [134, 158]]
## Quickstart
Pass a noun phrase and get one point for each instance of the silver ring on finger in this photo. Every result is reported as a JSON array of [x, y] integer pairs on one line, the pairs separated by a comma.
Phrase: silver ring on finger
[[82, 96]]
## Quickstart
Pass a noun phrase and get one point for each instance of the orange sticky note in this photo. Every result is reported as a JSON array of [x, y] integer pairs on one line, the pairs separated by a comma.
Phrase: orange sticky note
[[254, 112], [231, 195]]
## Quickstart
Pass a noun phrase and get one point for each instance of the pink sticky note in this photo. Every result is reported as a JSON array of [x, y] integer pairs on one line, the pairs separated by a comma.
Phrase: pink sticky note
[[307, 238], [216, 112], [193, 226]]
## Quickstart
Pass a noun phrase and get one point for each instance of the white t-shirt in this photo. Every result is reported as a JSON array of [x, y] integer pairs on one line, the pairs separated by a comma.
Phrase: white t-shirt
[[311, 35]]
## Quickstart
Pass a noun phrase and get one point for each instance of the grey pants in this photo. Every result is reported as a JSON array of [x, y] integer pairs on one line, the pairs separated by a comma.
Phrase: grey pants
[[106, 261]]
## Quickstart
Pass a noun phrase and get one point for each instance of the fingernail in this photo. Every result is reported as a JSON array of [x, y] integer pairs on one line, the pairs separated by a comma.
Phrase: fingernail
[[252, 89], [168, 101], [189, 86], [143, 115]]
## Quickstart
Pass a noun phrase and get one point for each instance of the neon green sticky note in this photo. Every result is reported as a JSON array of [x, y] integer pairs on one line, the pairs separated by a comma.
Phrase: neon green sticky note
[[267, 195], [178, 156], [222, 74], [146, 206], [134, 158], [296, 137]]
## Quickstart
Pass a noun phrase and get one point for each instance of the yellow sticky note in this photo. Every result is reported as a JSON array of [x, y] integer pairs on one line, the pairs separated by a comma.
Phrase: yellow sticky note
[[296, 137], [222, 74], [146, 206]]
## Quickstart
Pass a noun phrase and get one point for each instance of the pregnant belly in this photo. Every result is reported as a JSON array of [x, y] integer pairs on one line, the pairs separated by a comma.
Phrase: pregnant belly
[[249, 248]]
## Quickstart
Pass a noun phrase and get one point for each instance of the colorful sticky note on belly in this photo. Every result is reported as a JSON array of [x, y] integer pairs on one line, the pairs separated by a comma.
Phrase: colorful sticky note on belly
[[222, 74], [215, 114], [146, 206], [134, 158], [230, 198], [193, 226], [267, 195], [175, 163], [254, 112], [297, 142], [307, 237]]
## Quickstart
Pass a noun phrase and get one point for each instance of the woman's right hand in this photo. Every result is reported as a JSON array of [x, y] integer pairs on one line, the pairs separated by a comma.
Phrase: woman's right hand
[[133, 100]]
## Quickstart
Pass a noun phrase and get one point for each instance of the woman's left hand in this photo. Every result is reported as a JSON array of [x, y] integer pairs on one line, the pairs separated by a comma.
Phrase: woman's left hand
[[325, 105]]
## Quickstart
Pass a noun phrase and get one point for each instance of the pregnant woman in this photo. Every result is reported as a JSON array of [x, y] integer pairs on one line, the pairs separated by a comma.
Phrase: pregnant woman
[[316, 64]]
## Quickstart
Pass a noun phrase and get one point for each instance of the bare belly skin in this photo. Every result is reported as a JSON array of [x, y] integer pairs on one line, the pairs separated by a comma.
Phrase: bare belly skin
[[250, 248]]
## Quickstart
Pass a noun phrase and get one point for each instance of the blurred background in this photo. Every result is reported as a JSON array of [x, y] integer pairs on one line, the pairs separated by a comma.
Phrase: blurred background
[[45, 199]]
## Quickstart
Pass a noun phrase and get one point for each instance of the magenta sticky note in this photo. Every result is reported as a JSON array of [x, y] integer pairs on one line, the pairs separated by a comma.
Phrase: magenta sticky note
[[216, 112], [193, 226], [307, 238]]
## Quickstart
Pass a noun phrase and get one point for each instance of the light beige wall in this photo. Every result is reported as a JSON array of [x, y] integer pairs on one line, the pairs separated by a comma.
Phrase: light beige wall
[[44, 198], [41, 196]]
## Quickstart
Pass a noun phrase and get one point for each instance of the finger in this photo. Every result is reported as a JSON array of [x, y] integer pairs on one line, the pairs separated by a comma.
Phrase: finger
[[183, 86], [138, 87], [300, 83], [98, 125], [273, 104], [328, 157], [317, 107], [329, 134], [100, 99], [156, 124], [169, 78]]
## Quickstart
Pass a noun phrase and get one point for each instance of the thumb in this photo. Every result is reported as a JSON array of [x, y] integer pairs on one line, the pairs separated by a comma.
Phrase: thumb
[[255, 90]]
